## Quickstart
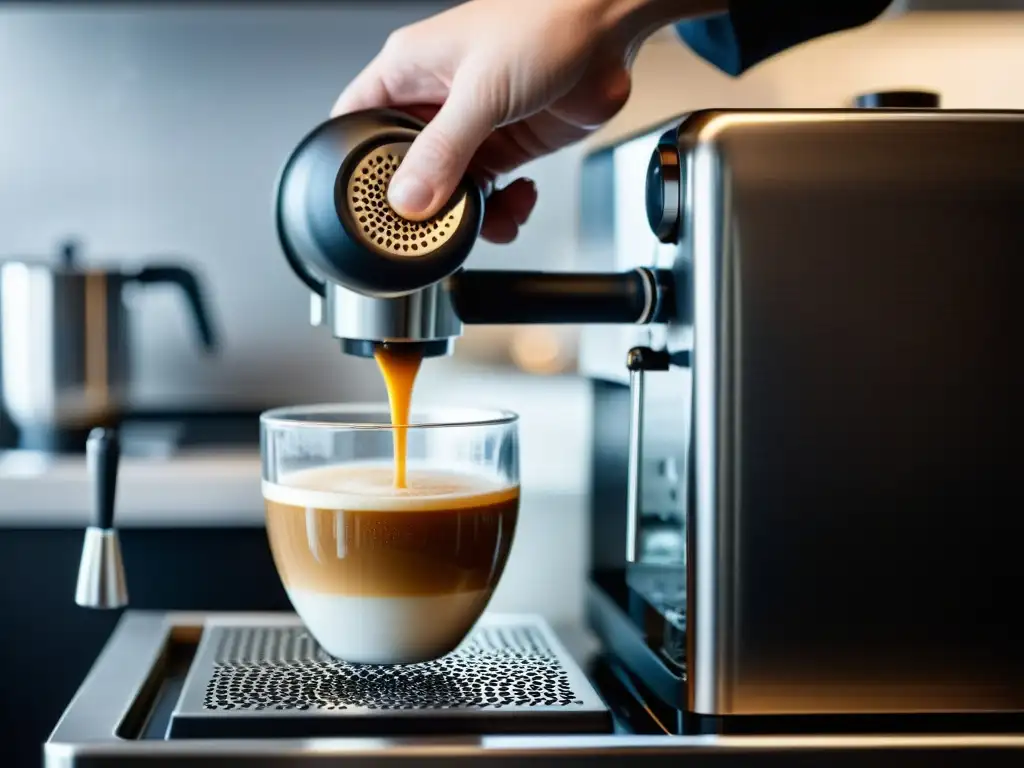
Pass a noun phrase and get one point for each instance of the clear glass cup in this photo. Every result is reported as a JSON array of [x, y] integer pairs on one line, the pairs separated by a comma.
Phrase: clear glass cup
[[381, 574]]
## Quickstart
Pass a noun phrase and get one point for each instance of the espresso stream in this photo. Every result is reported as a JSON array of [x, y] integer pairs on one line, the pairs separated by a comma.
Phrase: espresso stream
[[399, 369]]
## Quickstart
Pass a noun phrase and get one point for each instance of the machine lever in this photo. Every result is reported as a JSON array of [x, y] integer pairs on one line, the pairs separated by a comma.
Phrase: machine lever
[[639, 361]]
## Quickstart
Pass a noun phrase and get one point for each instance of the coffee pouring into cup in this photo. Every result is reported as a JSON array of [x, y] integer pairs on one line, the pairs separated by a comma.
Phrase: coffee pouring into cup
[[372, 553]]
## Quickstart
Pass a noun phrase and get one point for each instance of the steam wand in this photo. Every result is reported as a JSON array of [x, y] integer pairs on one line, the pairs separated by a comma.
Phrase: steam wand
[[101, 579], [639, 361]]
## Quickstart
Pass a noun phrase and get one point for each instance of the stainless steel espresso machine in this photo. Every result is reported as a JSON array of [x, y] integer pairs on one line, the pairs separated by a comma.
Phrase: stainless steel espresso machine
[[821, 509], [801, 333]]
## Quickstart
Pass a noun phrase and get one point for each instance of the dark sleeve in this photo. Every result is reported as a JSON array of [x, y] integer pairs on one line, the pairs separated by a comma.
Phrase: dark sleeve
[[755, 30]]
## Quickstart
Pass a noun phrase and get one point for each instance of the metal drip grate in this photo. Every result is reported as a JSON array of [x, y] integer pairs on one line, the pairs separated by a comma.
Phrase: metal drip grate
[[366, 193], [276, 680], [284, 669]]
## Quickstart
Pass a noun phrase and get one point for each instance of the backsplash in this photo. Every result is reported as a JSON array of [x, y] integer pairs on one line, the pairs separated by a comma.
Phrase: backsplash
[[159, 130], [972, 59]]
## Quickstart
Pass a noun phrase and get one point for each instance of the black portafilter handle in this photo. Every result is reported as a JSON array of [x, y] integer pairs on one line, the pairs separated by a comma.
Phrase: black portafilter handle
[[103, 454], [500, 297]]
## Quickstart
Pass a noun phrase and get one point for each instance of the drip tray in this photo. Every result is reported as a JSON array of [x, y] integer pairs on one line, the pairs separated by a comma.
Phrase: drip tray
[[269, 680]]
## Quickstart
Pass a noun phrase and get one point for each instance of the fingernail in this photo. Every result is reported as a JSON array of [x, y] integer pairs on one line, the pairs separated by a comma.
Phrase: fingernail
[[408, 193]]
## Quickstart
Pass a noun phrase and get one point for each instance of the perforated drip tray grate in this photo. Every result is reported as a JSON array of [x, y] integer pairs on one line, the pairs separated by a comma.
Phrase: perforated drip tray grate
[[271, 679]]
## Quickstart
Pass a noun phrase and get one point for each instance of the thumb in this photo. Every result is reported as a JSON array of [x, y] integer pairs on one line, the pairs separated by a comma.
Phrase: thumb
[[440, 155]]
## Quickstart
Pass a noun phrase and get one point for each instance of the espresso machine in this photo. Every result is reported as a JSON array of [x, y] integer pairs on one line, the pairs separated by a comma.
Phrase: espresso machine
[[800, 334], [821, 532]]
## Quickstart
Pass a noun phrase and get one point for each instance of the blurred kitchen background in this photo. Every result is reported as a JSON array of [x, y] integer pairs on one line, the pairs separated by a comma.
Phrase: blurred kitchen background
[[156, 129]]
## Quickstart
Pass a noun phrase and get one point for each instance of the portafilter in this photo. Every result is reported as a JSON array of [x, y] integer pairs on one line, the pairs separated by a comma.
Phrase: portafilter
[[377, 277]]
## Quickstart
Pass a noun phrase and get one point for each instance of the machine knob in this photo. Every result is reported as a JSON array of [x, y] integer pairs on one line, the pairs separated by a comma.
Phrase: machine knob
[[664, 193], [898, 100]]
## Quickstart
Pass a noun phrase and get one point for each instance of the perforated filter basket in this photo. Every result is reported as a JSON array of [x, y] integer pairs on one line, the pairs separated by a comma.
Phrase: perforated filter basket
[[383, 228], [511, 675], [334, 221]]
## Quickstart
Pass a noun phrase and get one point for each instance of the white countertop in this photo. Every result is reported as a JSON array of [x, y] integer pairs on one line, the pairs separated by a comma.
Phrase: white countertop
[[189, 490], [222, 487], [219, 488]]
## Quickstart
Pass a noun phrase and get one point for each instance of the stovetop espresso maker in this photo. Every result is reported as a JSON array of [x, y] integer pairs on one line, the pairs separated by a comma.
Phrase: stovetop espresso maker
[[811, 509]]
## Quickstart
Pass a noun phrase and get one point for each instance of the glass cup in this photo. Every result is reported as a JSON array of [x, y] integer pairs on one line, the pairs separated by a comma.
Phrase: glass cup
[[382, 574]]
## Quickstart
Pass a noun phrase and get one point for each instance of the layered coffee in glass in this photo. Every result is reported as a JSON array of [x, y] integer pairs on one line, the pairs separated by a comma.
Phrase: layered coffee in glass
[[389, 556]]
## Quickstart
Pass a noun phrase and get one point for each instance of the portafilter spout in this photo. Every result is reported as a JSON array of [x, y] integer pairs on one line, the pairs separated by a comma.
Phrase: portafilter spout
[[379, 278], [101, 579]]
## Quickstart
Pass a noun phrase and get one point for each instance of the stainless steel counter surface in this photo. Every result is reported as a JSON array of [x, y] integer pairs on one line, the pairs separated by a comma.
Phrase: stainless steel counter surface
[[100, 728]]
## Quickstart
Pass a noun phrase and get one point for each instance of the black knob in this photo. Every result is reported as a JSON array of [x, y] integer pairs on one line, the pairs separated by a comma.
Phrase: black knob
[[664, 193], [103, 454], [899, 100], [69, 255], [334, 221]]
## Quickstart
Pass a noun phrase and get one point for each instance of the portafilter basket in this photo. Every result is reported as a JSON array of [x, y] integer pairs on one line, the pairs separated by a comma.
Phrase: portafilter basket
[[334, 220]]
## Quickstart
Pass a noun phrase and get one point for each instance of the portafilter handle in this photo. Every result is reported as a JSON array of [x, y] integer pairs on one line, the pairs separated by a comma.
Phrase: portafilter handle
[[101, 578], [639, 361]]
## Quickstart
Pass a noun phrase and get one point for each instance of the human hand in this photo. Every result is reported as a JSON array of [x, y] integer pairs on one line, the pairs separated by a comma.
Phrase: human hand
[[503, 82]]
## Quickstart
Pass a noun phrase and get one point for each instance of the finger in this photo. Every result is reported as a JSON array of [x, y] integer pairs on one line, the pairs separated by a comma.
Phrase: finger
[[479, 170], [366, 91], [499, 228], [440, 155], [518, 198], [507, 210]]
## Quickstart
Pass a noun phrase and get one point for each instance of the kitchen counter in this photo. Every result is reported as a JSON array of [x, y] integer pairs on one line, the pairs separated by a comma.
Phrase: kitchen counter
[[219, 488], [206, 485]]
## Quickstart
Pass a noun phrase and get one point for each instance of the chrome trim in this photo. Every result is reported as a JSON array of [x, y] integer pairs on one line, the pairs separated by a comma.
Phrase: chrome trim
[[424, 315], [636, 436], [316, 309], [650, 295], [101, 580], [707, 230]]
